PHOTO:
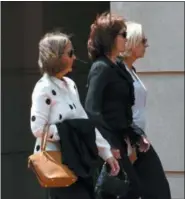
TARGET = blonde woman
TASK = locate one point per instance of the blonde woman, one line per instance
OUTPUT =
(148, 164)
(55, 99)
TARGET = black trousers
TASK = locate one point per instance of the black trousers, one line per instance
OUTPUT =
(82, 189)
(148, 179)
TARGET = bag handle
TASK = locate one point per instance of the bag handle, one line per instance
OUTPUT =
(44, 137)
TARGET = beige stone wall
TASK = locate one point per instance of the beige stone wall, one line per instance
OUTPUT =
(163, 74)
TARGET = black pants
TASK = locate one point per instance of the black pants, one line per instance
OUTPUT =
(147, 177)
(82, 189)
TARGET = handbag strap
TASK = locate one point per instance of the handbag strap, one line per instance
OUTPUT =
(44, 137)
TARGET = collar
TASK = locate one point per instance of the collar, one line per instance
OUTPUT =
(60, 83)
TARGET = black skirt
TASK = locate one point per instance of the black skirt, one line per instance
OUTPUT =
(82, 189)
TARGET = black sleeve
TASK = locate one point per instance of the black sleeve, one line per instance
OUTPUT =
(97, 80)
(135, 133)
(134, 69)
(137, 130)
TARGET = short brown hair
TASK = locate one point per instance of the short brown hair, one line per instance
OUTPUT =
(51, 47)
(103, 33)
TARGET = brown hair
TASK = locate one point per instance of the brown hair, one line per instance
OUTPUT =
(51, 47)
(103, 32)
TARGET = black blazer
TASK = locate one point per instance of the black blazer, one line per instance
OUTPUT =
(110, 98)
(78, 146)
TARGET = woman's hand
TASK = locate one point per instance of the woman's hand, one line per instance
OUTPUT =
(116, 153)
(144, 144)
(114, 165)
(53, 134)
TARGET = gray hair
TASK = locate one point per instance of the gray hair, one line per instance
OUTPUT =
(134, 37)
(51, 47)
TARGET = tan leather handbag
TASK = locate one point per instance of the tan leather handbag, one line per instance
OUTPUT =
(48, 167)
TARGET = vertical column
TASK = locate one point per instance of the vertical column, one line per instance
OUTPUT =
(162, 71)
(21, 26)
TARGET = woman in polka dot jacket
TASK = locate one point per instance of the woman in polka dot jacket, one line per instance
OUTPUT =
(55, 98)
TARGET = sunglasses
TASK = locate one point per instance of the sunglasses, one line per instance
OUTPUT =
(144, 40)
(123, 34)
(70, 53)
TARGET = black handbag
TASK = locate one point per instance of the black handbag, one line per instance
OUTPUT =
(115, 186)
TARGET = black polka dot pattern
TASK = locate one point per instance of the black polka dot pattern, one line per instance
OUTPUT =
(74, 105)
(48, 101)
(54, 92)
(51, 136)
(38, 147)
(60, 116)
(33, 118)
(71, 107)
(74, 87)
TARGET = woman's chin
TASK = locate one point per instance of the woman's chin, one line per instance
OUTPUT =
(70, 69)
(142, 55)
(122, 50)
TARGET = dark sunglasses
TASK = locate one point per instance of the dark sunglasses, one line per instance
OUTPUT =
(123, 34)
(71, 53)
(144, 40)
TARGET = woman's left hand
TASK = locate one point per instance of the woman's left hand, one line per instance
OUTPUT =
(144, 144)
(114, 165)
(116, 153)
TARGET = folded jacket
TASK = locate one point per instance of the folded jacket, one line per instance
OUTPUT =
(78, 147)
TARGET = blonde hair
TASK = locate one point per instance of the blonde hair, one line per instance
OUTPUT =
(51, 47)
(134, 37)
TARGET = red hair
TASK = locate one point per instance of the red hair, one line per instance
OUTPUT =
(102, 35)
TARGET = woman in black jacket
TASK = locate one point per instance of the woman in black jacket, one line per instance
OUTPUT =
(110, 95)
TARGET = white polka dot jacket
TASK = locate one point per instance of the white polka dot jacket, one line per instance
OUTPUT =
(55, 101)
